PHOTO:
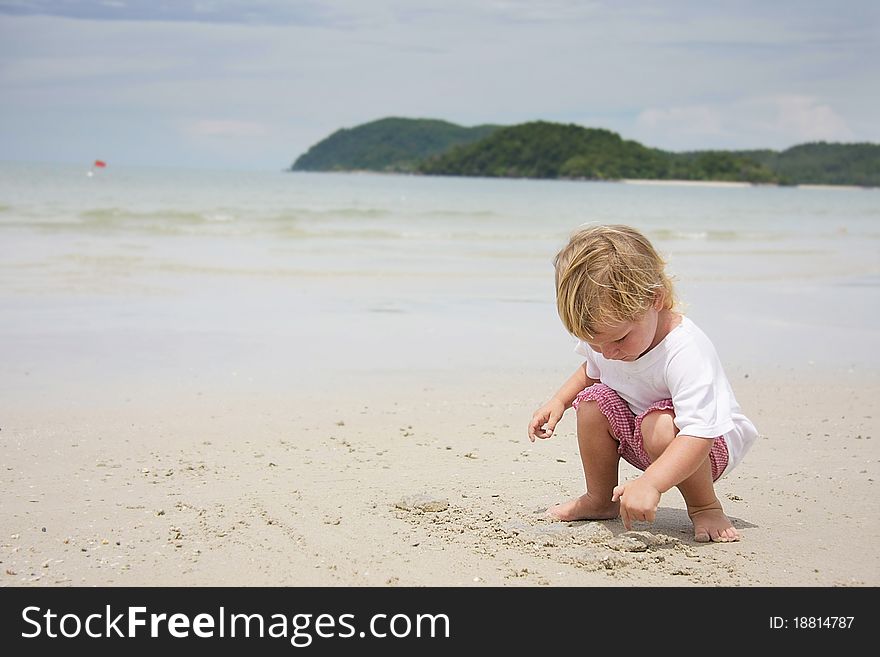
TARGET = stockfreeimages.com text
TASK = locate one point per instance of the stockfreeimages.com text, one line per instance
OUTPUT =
(300, 629)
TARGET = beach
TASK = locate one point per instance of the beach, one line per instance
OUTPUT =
(293, 385)
(435, 485)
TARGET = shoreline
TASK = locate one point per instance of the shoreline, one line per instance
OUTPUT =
(628, 181)
(694, 183)
(727, 183)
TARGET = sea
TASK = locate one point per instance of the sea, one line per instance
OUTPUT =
(119, 281)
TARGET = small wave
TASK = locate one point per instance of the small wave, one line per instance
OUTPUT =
(218, 222)
(374, 213)
(670, 234)
(220, 217)
(340, 213)
(363, 233)
(120, 216)
(464, 214)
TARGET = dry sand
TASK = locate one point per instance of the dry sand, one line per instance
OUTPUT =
(429, 481)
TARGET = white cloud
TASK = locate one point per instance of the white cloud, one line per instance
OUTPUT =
(801, 118)
(769, 121)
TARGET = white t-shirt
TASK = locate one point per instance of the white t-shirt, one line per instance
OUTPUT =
(683, 367)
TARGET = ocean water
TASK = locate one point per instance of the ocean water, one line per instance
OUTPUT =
(143, 279)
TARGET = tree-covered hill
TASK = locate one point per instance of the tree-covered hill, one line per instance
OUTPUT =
(552, 150)
(547, 150)
(391, 144)
(542, 149)
(823, 163)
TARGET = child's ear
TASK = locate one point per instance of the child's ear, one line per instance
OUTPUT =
(659, 301)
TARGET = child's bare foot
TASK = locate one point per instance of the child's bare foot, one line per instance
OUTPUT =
(584, 508)
(710, 524)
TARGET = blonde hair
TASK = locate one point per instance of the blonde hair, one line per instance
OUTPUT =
(606, 275)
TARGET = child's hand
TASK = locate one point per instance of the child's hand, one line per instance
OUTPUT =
(638, 501)
(545, 418)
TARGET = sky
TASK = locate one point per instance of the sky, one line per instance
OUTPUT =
(252, 84)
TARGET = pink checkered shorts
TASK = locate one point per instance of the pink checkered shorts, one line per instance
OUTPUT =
(627, 428)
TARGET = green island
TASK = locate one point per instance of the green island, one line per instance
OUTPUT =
(389, 145)
(541, 149)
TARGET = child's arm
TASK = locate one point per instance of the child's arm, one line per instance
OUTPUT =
(678, 462)
(639, 498)
(545, 418)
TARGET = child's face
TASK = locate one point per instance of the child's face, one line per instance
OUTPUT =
(628, 340)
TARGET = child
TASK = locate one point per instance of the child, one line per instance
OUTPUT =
(651, 390)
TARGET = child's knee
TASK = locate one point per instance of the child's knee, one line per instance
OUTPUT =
(658, 430)
(590, 415)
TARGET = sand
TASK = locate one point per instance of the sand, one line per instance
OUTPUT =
(419, 480)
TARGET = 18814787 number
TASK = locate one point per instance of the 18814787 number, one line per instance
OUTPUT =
(822, 622)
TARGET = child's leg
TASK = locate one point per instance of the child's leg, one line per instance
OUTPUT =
(698, 490)
(599, 459)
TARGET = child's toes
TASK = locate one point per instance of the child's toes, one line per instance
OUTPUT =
(731, 534)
